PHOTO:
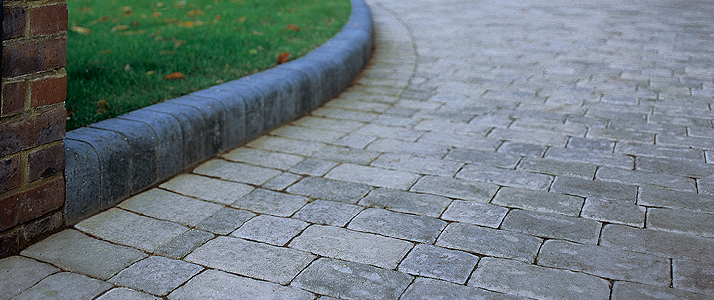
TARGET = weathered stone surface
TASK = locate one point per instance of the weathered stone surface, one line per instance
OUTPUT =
(214, 284)
(417, 164)
(238, 172)
(555, 167)
(156, 275)
(590, 157)
(313, 167)
(346, 155)
(679, 183)
(18, 273)
(701, 224)
(606, 262)
(660, 243)
(409, 227)
(64, 286)
(225, 220)
(184, 243)
(407, 202)
(350, 280)
(539, 201)
(126, 294)
(353, 246)
(553, 226)
(495, 159)
(440, 263)
(517, 278)
(614, 211)
(328, 212)
(373, 176)
(490, 242)
(285, 145)
(660, 197)
(629, 290)
(328, 189)
(261, 261)
(476, 213)
(272, 230)
(688, 168)
(169, 206)
(594, 188)
(456, 188)
(694, 275)
(430, 289)
(216, 190)
(269, 202)
(505, 177)
(281, 181)
(75, 252)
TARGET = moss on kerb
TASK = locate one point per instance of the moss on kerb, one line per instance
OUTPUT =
(107, 163)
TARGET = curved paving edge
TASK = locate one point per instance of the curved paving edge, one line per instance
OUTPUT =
(111, 160)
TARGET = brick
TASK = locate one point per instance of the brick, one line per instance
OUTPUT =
(539, 201)
(436, 262)
(693, 275)
(426, 289)
(307, 133)
(505, 177)
(48, 19)
(263, 158)
(64, 286)
(660, 197)
(16, 136)
(450, 139)
(237, 172)
(268, 202)
(206, 188)
(18, 273)
(409, 227)
(156, 275)
(225, 220)
(313, 167)
(328, 212)
(46, 162)
(407, 202)
(271, 230)
(221, 285)
(675, 166)
(517, 278)
(13, 98)
(522, 149)
(655, 242)
(695, 223)
(32, 57)
(10, 242)
(495, 159)
(345, 244)
(282, 181)
(348, 155)
(373, 176)
(475, 213)
(613, 211)
(659, 151)
(50, 126)
(280, 144)
(605, 262)
(10, 173)
(350, 280)
(490, 242)
(630, 290)
(594, 188)
(125, 293)
(456, 188)
(418, 164)
(553, 226)
(48, 91)
(674, 182)
(43, 226)
(13, 22)
(590, 144)
(400, 146)
(251, 259)
(590, 157)
(170, 206)
(20, 208)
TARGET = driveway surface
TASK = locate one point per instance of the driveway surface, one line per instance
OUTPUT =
(496, 149)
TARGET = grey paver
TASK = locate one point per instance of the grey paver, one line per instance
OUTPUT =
(225, 220)
(517, 278)
(75, 252)
(693, 275)
(328, 212)
(313, 167)
(660, 197)
(281, 181)
(456, 188)
(122, 227)
(156, 275)
(401, 146)
(674, 182)
(214, 284)
(661, 243)
(238, 172)
(279, 265)
(495, 159)
(594, 188)
(590, 157)
(329, 123)
(475, 213)
(436, 262)
(205, 188)
(628, 290)
(18, 273)
(64, 286)
(522, 149)
(555, 167)
(263, 158)
(539, 201)
(373, 176)
(701, 224)
(606, 262)
(270, 202)
(307, 133)
(353, 246)
(430, 289)
(621, 135)
(184, 243)
(417, 164)
(350, 280)
(285, 145)
(354, 141)
(169, 206)
(590, 144)
(269, 229)
(460, 140)
(403, 226)
(344, 154)
(614, 211)
(407, 202)
(505, 177)
(688, 168)
(338, 113)
(329, 189)
(389, 132)
(126, 294)
(553, 226)
(491, 242)
(532, 136)
(658, 151)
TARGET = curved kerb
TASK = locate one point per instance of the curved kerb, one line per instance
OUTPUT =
(111, 160)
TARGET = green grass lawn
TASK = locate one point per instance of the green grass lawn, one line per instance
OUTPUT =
(119, 52)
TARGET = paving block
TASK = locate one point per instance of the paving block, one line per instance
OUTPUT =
(214, 115)
(285, 145)
(490, 242)
(198, 139)
(373, 176)
(210, 189)
(436, 262)
(629, 290)
(606, 262)
(64, 286)
(18, 273)
(125, 228)
(539, 201)
(355, 141)
(614, 211)
(235, 115)
(471, 212)
(456, 188)
(279, 92)
(409, 227)
(655, 242)
(685, 141)
(496, 159)
(225, 220)
(392, 132)
(451, 139)
(590, 157)
(366, 248)
(590, 144)
(417, 164)
(658, 151)
(126, 294)
(674, 182)
(238, 172)
(75, 252)
(251, 259)
(344, 113)
(82, 185)
(272, 230)
(313, 167)
(263, 158)
(401, 146)
(268, 202)
(660, 197)
(621, 135)
(406, 202)
(694, 275)
(170, 206)
(695, 223)
(553, 226)
(307, 133)
(282, 181)
(183, 244)
(328, 123)
(350, 280)
(594, 188)
(522, 149)
(517, 278)
(505, 177)
(688, 168)
(427, 289)
(328, 212)
(253, 101)
(554, 167)
(156, 275)
(347, 155)
(220, 285)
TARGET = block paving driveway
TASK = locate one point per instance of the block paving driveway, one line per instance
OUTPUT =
(503, 149)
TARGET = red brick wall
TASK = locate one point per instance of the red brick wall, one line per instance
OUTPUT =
(32, 121)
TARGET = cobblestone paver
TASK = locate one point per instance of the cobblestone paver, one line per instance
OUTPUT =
(503, 149)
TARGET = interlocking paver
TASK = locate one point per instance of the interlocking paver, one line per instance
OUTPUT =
(270, 202)
(594, 188)
(426, 289)
(401, 146)
(661, 243)
(679, 183)
(65, 286)
(328, 212)
(329, 189)
(216, 190)
(156, 275)
(407, 202)
(18, 273)
(628, 290)
(613, 211)
(456, 188)
(225, 220)
(313, 167)
(348, 155)
(591, 157)
(126, 294)
(693, 275)
(269, 229)
(701, 224)
(214, 284)
(440, 263)
(183, 244)
(169, 206)
(373, 176)
(660, 197)
(553, 226)
(524, 149)
(238, 172)
(417, 164)
(403, 226)
(505, 177)
(495, 159)
(555, 167)
(263, 158)
(491, 242)
(475, 213)
(539, 201)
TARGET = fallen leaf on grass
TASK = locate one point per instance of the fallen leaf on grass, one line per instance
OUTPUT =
(216, 19)
(149, 73)
(69, 114)
(241, 19)
(127, 10)
(195, 12)
(133, 32)
(283, 57)
(102, 106)
(253, 51)
(156, 14)
(257, 33)
(81, 30)
(179, 43)
(293, 27)
(175, 76)
(120, 28)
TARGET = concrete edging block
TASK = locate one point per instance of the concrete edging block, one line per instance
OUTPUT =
(111, 160)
